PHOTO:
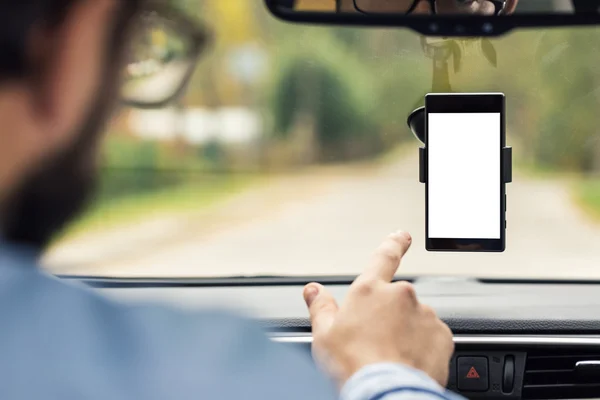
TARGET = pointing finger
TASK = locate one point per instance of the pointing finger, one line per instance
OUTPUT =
(388, 256)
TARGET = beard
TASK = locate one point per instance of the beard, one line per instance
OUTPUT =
(57, 191)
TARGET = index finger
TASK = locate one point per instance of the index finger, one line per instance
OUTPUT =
(388, 256)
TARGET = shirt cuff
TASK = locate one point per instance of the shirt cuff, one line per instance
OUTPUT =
(374, 381)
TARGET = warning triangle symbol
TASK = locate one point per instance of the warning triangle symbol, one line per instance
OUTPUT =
(473, 374)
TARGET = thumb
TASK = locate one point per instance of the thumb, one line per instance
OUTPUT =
(322, 307)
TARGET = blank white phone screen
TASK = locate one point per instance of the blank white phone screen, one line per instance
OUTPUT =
(464, 175)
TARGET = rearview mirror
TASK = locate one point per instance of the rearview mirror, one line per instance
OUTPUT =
(442, 17)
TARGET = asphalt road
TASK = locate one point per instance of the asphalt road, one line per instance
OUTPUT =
(328, 223)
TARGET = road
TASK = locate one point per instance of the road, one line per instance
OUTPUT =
(329, 222)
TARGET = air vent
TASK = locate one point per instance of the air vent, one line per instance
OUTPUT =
(562, 374)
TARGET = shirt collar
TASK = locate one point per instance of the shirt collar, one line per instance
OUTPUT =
(20, 253)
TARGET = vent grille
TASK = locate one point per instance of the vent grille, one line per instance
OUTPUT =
(551, 374)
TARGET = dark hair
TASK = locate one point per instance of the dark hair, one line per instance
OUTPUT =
(59, 188)
(17, 17)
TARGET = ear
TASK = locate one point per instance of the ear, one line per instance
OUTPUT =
(71, 61)
(423, 7)
(510, 6)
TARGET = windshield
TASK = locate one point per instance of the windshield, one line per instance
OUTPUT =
(290, 155)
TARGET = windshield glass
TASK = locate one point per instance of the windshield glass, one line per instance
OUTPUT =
(290, 155)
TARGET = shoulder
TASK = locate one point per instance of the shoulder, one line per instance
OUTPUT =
(158, 349)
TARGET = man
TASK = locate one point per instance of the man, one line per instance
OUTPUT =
(60, 64)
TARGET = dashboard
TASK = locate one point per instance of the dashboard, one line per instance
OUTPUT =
(515, 366)
(514, 339)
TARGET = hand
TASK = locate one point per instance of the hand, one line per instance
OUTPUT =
(379, 321)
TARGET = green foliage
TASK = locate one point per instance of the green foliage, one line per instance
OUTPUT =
(587, 195)
(131, 166)
(568, 82)
(191, 195)
(357, 104)
(129, 152)
(326, 83)
(214, 155)
(552, 89)
(358, 85)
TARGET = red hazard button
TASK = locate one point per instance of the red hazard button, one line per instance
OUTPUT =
(472, 374)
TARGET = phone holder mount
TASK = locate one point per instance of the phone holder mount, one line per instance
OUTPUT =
(416, 123)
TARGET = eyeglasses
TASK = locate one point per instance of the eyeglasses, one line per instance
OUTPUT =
(431, 6)
(162, 56)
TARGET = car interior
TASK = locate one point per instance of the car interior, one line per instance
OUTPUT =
(525, 339)
(295, 148)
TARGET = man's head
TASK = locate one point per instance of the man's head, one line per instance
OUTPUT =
(59, 76)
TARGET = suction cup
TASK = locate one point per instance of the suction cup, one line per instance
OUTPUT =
(416, 123)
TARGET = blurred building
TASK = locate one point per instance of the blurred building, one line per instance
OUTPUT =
(197, 126)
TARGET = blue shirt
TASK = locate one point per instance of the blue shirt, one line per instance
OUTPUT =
(62, 341)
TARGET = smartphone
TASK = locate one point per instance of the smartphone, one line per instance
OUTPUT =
(465, 193)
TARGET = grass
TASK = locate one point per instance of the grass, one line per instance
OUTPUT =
(199, 191)
(411, 147)
(192, 195)
(535, 171)
(585, 192)
(587, 196)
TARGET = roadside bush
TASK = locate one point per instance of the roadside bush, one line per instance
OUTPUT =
(133, 166)
(324, 83)
(568, 82)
